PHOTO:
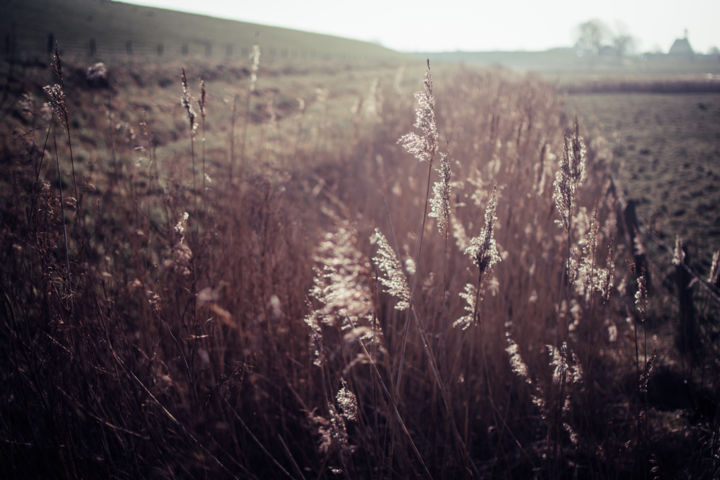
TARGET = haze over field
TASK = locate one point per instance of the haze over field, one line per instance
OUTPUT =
(407, 25)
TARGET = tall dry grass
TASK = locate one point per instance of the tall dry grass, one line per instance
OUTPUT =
(458, 311)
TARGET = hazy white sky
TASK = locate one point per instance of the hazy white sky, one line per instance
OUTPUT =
(474, 24)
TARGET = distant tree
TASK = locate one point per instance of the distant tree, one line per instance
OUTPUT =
(595, 38)
(591, 37)
(623, 42)
(624, 45)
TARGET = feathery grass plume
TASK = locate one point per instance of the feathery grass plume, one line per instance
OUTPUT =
(346, 291)
(647, 372)
(589, 277)
(392, 276)
(56, 95)
(469, 295)
(347, 402)
(678, 252)
(255, 57)
(186, 101)
(641, 298)
(312, 320)
(714, 268)
(203, 99)
(569, 177)
(181, 253)
(333, 430)
(333, 433)
(341, 291)
(607, 280)
(423, 144)
(57, 101)
(566, 371)
(565, 365)
(516, 362)
(483, 248)
(440, 201)
(520, 368)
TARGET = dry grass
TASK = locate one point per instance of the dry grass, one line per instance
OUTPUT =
(250, 328)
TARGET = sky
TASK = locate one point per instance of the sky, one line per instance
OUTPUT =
(443, 25)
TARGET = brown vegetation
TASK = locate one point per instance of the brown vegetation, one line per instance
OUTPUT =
(316, 309)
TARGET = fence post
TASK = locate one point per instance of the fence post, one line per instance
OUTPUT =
(687, 327)
(633, 228)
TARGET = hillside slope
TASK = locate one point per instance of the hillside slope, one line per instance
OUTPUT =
(98, 28)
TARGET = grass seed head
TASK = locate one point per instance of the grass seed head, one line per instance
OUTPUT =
(392, 276)
(440, 201)
(423, 143)
(483, 248)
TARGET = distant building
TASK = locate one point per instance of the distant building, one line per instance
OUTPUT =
(681, 47)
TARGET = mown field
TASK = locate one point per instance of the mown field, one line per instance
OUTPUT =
(350, 269)
(665, 152)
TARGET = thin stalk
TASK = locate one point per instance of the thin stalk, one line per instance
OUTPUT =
(233, 117)
(462, 447)
(38, 169)
(203, 154)
(415, 277)
(72, 164)
(394, 406)
(62, 212)
(245, 129)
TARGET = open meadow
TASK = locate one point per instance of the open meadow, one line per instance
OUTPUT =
(365, 266)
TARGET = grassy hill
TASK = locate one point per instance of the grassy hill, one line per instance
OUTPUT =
(98, 28)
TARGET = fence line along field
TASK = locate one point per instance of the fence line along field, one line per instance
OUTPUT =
(377, 270)
(92, 29)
